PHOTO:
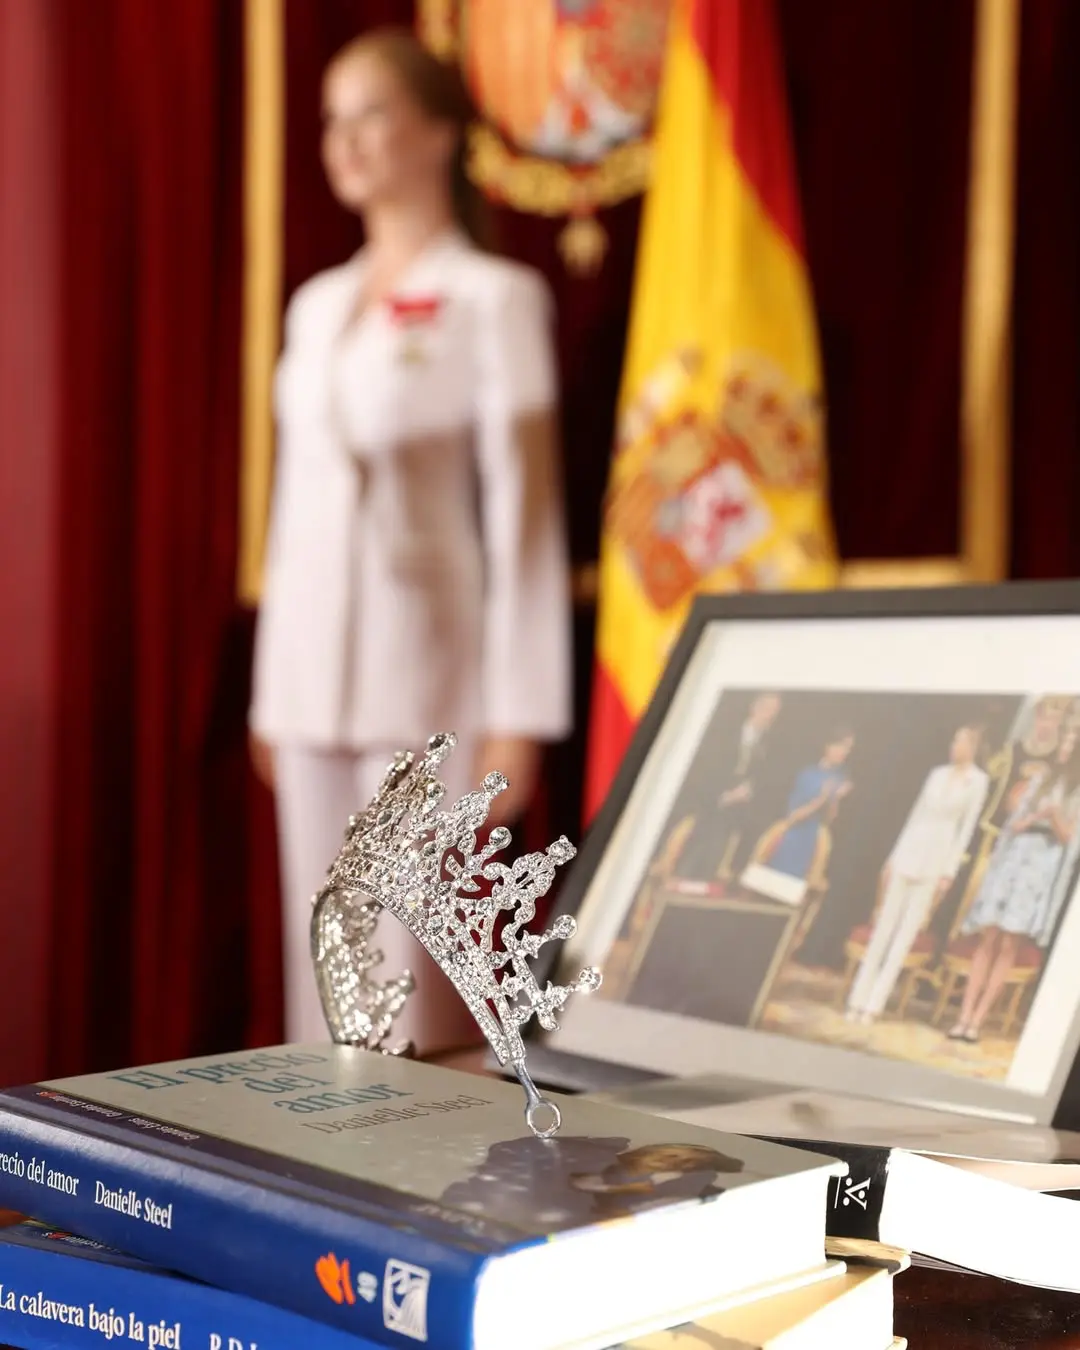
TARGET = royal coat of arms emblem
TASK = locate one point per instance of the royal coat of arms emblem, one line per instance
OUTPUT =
(566, 90)
(690, 503)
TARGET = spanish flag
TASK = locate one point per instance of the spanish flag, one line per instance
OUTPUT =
(718, 478)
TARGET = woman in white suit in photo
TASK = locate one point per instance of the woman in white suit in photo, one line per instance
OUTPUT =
(920, 869)
(416, 576)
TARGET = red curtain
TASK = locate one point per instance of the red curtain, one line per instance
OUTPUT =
(147, 895)
(1046, 351)
(318, 233)
(28, 92)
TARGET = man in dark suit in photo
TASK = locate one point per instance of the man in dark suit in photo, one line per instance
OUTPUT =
(720, 828)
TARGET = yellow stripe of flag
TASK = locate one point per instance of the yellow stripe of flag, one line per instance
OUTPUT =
(718, 481)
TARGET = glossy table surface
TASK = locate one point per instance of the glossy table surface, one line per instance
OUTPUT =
(943, 1310)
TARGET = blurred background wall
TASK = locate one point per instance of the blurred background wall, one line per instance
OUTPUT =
(141, 918)
(28, 447)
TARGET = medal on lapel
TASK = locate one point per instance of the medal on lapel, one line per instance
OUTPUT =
(412, 316)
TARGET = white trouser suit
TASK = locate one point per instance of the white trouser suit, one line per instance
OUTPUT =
(417, 577)
(905, 907)
(929, 849)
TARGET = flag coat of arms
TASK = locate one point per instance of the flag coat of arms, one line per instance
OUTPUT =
(718, 478)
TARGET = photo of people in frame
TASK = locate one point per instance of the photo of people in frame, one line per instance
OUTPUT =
(893, 878)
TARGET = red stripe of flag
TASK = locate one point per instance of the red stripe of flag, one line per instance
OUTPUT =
(739, 42)
(611, 728)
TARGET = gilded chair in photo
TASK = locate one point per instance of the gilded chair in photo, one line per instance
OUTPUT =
(817, 883)
(925, 964)
(1021, 977)
(916, 961)
(956, 968)
(952, 971)
(816, 875)
(659, 878)
(663, 870)
(667, 867)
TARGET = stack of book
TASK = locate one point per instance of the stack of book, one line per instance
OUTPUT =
(320, 1196)
(990, 1197)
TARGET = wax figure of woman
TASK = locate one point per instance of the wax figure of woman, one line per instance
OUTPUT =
(920, 869)
(416, 575)
(1026, 882)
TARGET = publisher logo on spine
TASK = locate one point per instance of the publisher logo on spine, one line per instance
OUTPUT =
(852, 1192)
(335, 1278)
(405, 1291)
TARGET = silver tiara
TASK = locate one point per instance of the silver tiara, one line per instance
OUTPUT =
(407, 855)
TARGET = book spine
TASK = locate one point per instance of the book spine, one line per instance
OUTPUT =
(312, 1259)
(52, 1298)
(856, 1201)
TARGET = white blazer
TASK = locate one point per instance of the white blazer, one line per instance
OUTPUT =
(938, 830)
(416, 575)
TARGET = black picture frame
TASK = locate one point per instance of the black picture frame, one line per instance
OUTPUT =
(1040, 599)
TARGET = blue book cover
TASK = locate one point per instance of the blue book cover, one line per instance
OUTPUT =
(409, 1203)
(63, 1292)
(70, 1292)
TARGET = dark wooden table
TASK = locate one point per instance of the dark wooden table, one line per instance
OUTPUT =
(943, 1310)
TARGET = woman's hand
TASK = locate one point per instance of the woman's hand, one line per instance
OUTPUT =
(518, 759)
(262, 759)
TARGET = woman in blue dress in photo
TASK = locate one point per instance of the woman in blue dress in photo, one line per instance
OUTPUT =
(814, 799)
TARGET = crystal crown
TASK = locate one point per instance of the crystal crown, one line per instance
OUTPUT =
(423, 863)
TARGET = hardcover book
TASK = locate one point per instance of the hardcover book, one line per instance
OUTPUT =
(410, 1203)
(920, 1180)
(61, 1290)
(852, 1312)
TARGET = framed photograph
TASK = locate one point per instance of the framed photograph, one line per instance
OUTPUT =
(843, 852)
